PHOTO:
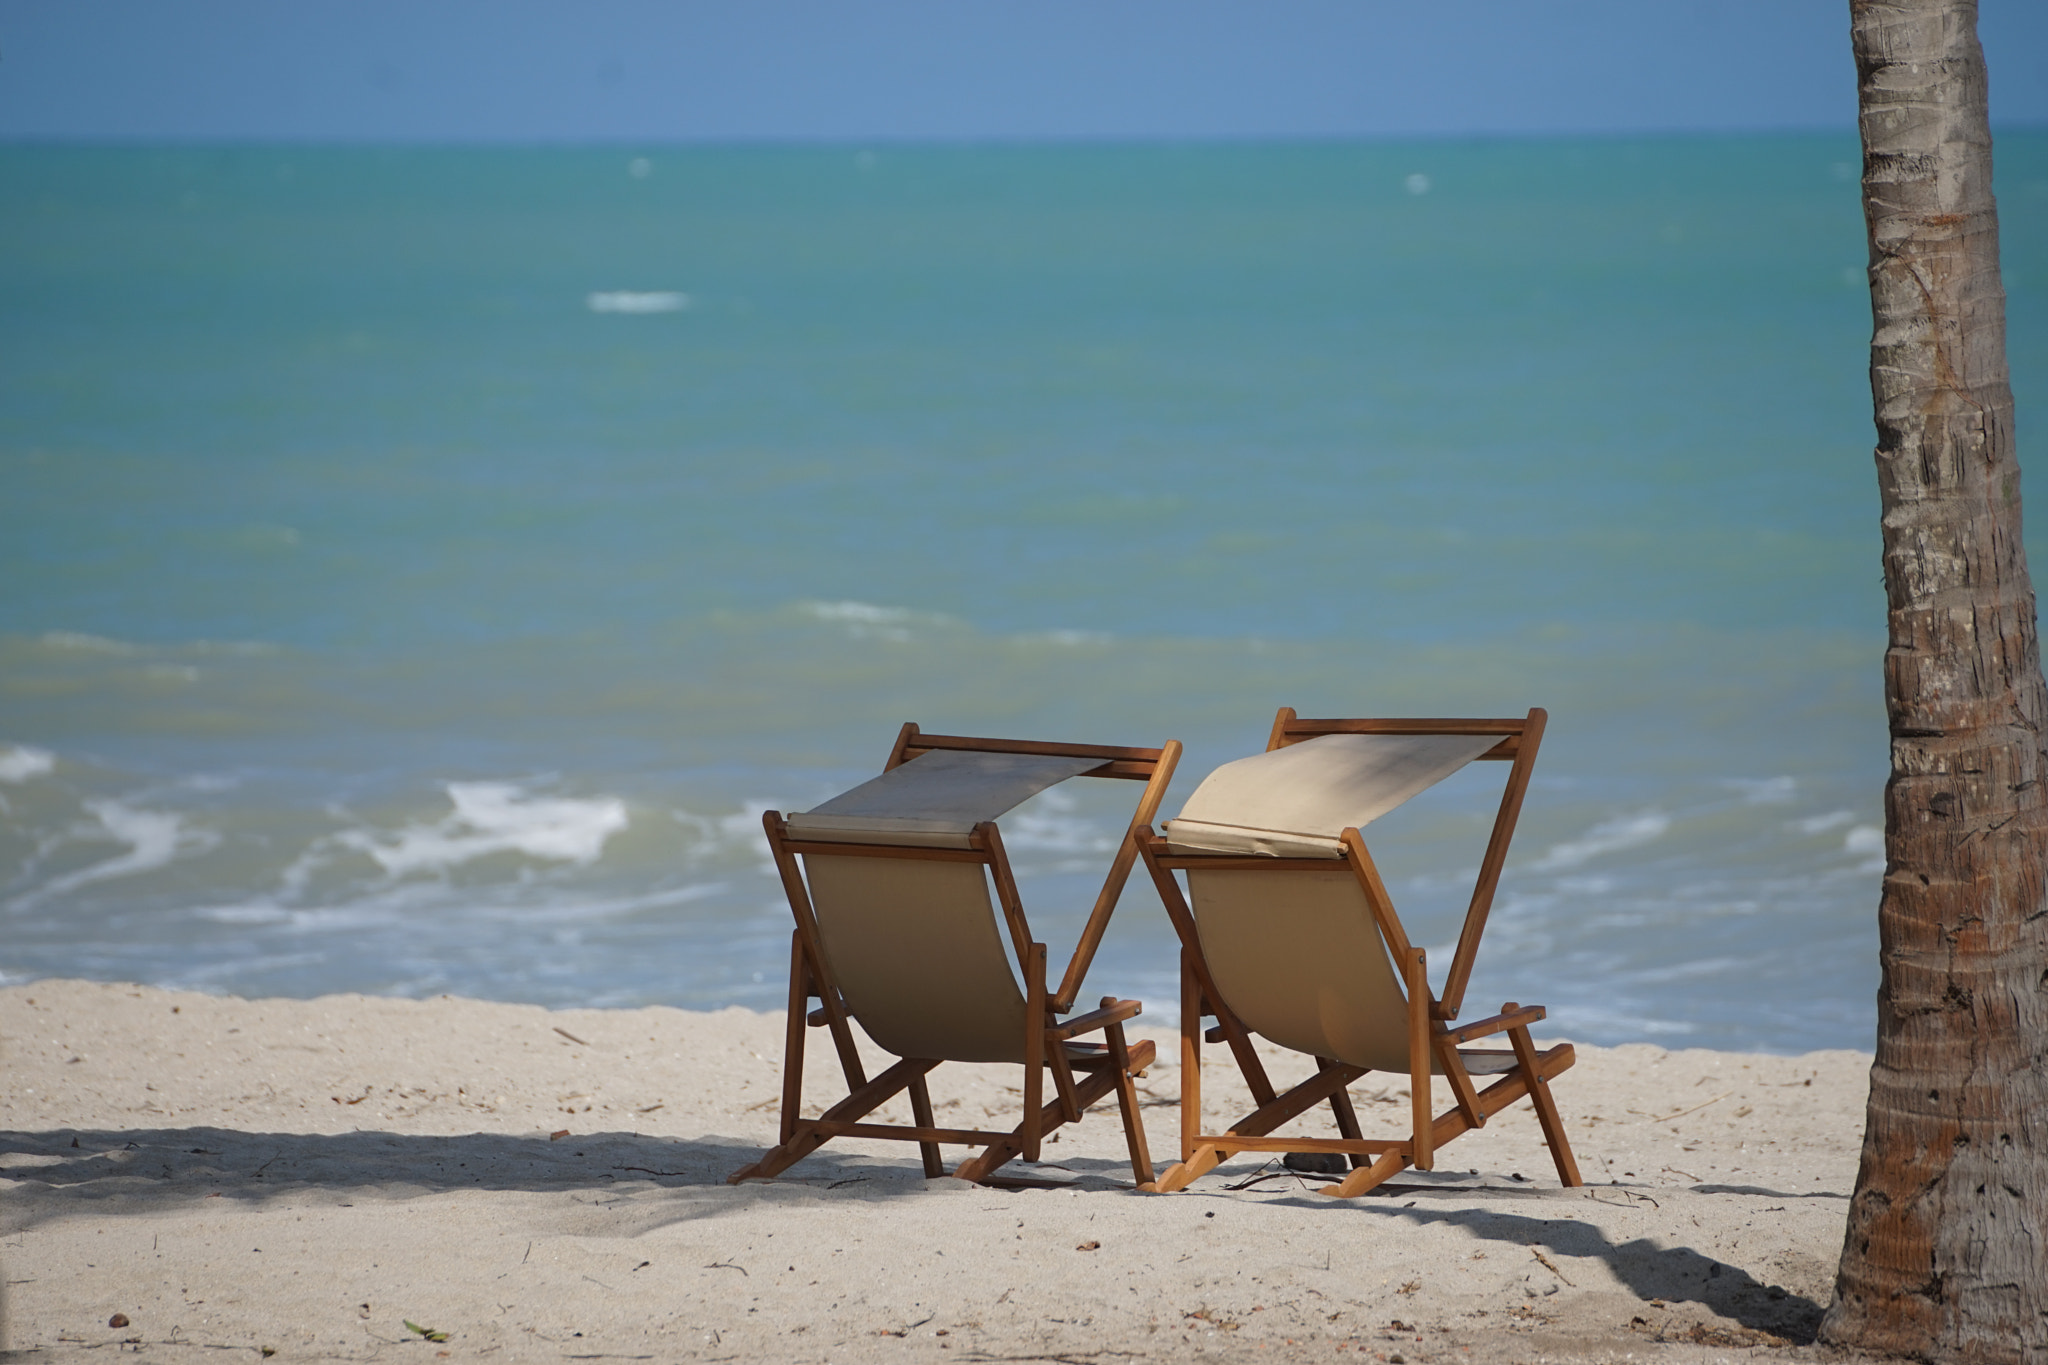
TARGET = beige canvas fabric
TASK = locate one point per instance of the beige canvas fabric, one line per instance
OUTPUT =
(914, 948)
(1293, 802)
(936, 799)
(1297, 957)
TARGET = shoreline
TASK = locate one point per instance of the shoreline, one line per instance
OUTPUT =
(306, 1176)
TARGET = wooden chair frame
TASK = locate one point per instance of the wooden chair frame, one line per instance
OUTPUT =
(1431, 1039)
(1048, 1044)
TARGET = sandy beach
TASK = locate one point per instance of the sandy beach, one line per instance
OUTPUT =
(304, 1178)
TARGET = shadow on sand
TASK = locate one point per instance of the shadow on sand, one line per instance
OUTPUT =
(144, 1170)
(1657, 1274)
(67, 1172)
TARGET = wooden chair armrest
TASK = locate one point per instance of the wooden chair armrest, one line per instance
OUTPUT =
(1513, 1016)
(1115, 1012)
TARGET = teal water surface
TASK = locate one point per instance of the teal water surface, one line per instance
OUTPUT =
(421, 566)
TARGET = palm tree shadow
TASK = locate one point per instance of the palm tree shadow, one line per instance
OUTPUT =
(1651, 1271)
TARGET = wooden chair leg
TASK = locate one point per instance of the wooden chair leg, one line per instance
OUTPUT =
(861, 1102)
(1182, 1174)
(1212, 1150)
(1063, 1081)
(807, 931)
(998, 1154)
(776, 1160)
(1546, 1109)
(1462, 1088)
(1245, 1054)
(1421, 1115)
(921, 1115)
(1127, 1101)
(1347, 1117)
(1034, 1052)
(793, 1038)
(1190, 1059)
(1366, 1178)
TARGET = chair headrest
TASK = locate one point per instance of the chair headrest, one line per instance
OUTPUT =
(936, 798)
(1294, 802)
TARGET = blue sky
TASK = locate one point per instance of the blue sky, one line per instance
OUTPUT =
(635, 70)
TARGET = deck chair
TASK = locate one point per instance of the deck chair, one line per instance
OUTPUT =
(1287, 932)
(889, 884)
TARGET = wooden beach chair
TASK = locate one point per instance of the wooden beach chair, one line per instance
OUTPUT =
(1288, 932)
(895, 929)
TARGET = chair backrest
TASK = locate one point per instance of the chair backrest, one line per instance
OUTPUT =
(906, 924)
(936, 800)
(913, 946)
(1294, 802)
(898, 872)
(1295, 928)
(1297, 956)
(1516, 740)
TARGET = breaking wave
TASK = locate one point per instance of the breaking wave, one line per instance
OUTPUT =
(496, 817)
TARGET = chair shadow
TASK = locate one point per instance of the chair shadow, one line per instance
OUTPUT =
(120, 1172)
(69, 1171)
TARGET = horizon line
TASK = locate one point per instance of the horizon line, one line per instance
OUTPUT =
(834, 141)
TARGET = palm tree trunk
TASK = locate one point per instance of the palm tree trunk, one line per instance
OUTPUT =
(1946, 1256)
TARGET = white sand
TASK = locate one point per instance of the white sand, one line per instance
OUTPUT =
(303, 1176)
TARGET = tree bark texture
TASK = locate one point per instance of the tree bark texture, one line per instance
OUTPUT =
(1946, 1254)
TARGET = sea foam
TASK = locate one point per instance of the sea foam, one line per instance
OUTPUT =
(154, 838)
(1609, 836)
(496, 817)
(632, 301)
(19, 763)
(866, 621)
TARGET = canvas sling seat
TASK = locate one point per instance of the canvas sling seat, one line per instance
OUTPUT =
(908, 922)
(1288, 933)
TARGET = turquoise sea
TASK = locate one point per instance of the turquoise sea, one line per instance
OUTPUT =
(418, 568)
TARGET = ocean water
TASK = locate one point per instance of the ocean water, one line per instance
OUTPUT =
(419, 568)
